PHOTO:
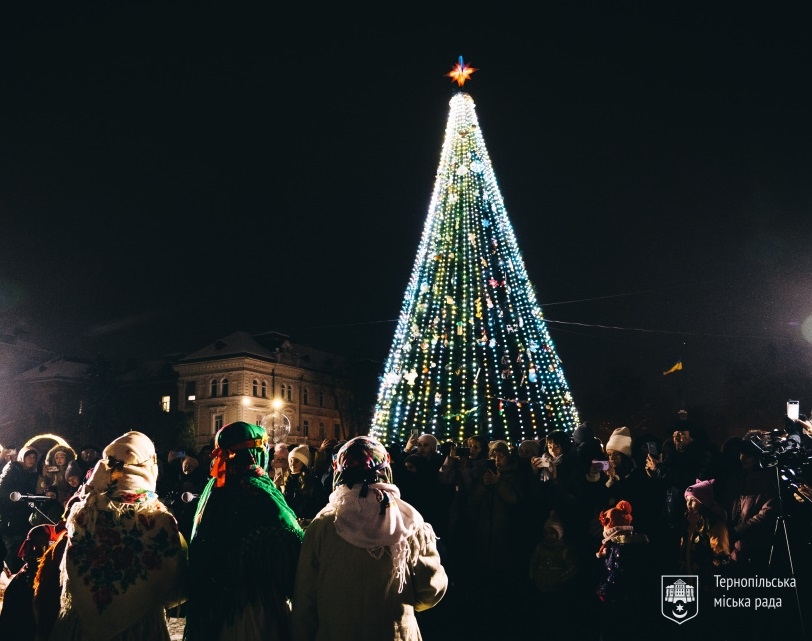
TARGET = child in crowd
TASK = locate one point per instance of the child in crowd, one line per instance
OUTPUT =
(704, 544)
(624, 588)
(554, 565)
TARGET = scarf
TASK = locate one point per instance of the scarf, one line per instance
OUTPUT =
(377, 521)
(546, 474)
(123, 559)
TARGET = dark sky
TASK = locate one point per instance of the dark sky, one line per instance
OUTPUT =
(172, 172)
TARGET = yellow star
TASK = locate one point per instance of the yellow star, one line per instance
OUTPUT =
(461, 72)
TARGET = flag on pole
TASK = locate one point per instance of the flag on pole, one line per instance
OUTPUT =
(676, 368)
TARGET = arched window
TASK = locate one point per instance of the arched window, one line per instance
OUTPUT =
(264, 389)
(290, 392)
(306, 428)
(282, 389)
(305, 396)
(224, 387)
(256, 387)
(213, 388)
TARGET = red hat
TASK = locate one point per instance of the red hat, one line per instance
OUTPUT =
(38, 539)
(619, 515)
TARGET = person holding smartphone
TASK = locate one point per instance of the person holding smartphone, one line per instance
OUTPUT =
(494, 510)
(628, 482)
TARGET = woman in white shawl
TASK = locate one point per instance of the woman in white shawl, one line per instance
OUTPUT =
(368, 559)
(125, 558)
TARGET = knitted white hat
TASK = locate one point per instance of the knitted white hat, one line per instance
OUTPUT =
(621, 441)
(301, 452)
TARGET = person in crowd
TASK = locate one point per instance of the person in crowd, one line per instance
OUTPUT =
(304, 492)
(73, 477)
(558, 476)
(674, 470)
(191, 481)
(53, 478)
(499, 534)
(556, 583)
(369, 561)
(7, 454)
(244, 547)
(125, 559)
(526, 452)
(17, 621)
(627, 482)
(280, 465)
(704, 545)
(751, 503)
(322, 460)
(427, 446)
(623, 589)
(554, 564)
(327, 476)
(89, 455)
(48, 580)
(421, 486)
(17, 476)
(53, 484)
(461, 470)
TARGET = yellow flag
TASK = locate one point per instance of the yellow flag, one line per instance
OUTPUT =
(677, 367)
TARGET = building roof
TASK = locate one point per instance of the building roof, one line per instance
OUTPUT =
(236, 344)
(274, 347)
(58, 368)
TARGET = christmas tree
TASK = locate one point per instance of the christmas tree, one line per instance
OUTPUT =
(471, 352)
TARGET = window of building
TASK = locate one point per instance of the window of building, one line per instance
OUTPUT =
(306, 396)
(290, 392)
(264, 389)
(321, 431)
(321, 399)
(213, 388)
(224, 387)
(217, 422)
(165, 403)
(282, 389)
(255, 387)
(336, 430)
(306, 428)
(191, 390)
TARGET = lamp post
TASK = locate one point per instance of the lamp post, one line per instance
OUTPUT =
(276, 424)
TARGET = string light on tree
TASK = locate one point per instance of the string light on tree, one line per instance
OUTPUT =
(471, 352)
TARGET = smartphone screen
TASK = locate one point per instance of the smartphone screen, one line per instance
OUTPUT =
(792, 410)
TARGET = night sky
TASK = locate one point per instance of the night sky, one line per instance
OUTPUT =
(170, 173)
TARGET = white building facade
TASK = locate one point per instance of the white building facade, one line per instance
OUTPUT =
(266, 380)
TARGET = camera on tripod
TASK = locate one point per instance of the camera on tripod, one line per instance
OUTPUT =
(778, 448)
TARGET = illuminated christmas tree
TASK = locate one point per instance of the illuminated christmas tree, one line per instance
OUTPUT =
(471, 352)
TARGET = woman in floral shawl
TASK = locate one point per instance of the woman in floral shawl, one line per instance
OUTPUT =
(125, 559)
(244, 547)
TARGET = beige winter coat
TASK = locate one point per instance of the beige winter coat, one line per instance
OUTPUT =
(344, 593)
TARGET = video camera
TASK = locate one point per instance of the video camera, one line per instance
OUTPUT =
(786, 451)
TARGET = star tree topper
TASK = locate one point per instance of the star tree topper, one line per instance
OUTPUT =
(461, 72)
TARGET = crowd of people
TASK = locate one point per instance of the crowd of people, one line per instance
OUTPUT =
(562, 537)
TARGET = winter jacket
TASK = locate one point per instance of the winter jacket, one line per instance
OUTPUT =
(347, 593)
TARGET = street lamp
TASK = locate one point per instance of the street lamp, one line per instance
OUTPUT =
(276, 424)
